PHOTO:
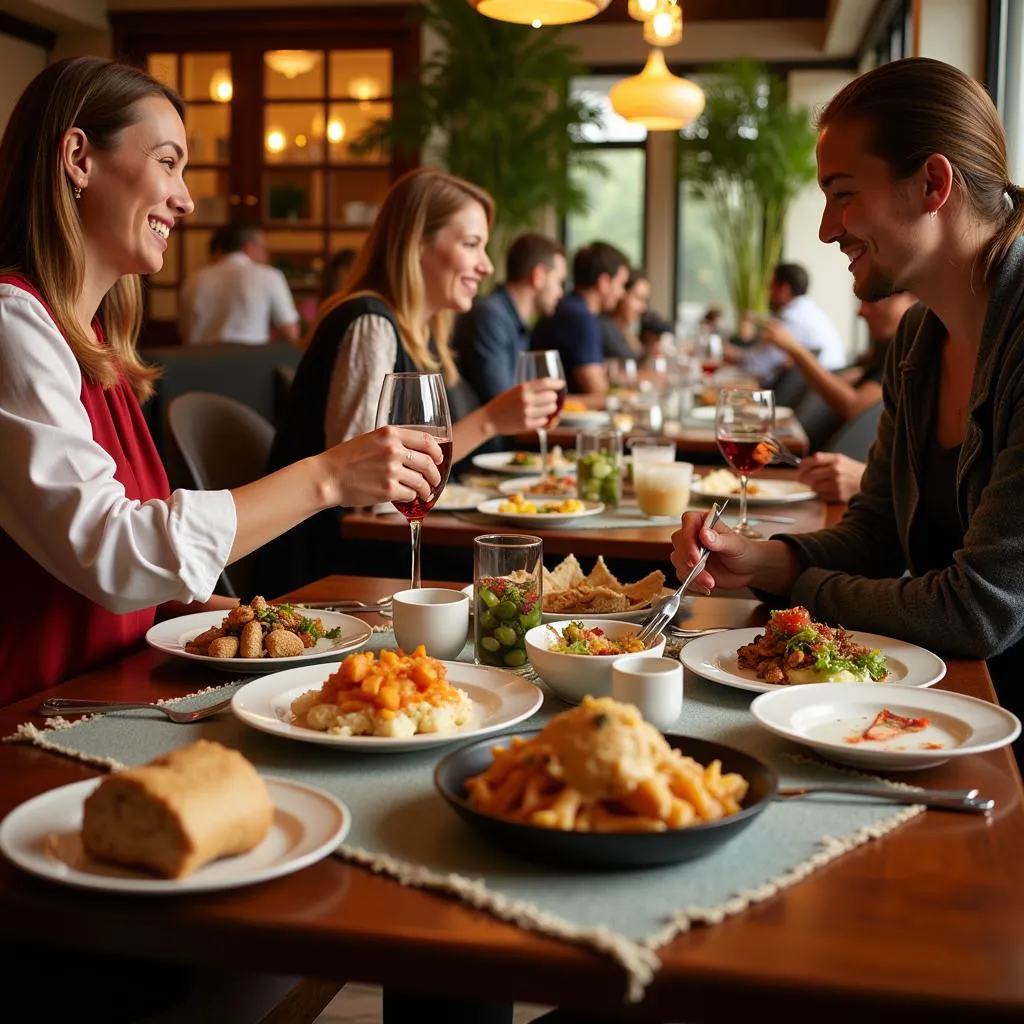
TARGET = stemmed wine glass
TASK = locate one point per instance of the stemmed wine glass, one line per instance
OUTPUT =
(418, 400)
(744, 417)
(536, 366)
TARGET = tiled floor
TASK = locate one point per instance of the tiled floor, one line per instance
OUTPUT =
(360, 1004)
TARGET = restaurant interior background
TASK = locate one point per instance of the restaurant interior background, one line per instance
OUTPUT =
(269, 133)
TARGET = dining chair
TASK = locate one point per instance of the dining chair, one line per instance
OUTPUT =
(223, 444)
(855, 437)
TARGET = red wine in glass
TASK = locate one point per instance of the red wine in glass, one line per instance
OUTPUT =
(418, 508)
(418, 401)
(744, 417)
(742, 453)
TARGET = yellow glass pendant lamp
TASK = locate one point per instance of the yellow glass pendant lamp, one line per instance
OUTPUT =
(657, 99)
(539, 12)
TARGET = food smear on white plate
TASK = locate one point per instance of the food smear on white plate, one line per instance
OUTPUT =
(795, 649)
(861, 730)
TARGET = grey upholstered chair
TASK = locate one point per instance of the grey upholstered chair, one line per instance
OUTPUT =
(855, 437)
(222, 444)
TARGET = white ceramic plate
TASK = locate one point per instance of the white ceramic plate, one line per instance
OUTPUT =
(635, 616)
(584, 418)
(500, 699)
(43, 836)
(501, 462)
(714, 657)
(457, 498)
(832, 719)
(492, 507)
(518, 485)
(772, 492)
(172, 635)
(706, 413)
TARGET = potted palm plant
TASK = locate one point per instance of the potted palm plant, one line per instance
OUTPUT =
(748, 155)
(493, 104)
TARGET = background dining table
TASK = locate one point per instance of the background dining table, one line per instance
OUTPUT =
(924, 923)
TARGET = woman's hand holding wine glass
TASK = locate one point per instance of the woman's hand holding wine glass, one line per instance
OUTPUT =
(536, 366)
(744, 417)
(388, 464)
(418, 401)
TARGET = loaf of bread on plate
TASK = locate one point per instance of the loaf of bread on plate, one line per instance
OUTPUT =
(178, 812)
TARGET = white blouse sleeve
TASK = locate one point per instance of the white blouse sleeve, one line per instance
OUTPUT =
(59, 499)
(367, 353)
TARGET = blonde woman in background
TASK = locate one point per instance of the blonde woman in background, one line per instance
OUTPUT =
(422, 262)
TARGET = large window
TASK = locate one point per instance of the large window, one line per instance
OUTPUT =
(700, 263)
(1006, 76)
(613, 174)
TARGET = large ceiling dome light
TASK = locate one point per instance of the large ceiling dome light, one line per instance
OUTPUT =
(539, 12)
(657, 99)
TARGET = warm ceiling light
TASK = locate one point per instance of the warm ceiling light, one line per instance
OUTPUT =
(641, 10)
(539, 12)
(665, 26)
(276, 141)
(292, 63)
(364, 89)
(335, 130)
(657, 99)
(221, 89)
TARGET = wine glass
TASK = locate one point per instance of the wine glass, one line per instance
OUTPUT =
(744, 417)
(535, 366)
(418, 400)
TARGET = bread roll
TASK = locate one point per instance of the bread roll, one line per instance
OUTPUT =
(178, 812)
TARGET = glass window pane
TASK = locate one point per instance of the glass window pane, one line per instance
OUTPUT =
(293, 133)
(163, 304)
(293, 74)
(360, 74)
(164, 68)
(700, 264)
(202, 73)
(208, 130)
(294, 195)
(356, 195)
(209, 191)
(347, 121)
(593, 89)
(615, 203)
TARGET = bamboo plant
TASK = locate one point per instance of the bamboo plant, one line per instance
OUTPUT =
(493, 105)
(747, 156)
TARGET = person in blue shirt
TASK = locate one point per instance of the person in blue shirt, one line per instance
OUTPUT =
(490, 337)
(599, 273)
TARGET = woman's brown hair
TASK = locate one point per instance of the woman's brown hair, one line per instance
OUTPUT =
(917, 107)
(418, 205)
(40, 228)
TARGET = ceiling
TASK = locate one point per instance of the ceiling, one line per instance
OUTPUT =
(733, 10)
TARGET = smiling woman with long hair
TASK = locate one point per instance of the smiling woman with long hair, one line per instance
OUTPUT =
(91, 188)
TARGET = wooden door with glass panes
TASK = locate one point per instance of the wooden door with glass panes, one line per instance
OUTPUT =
(274, 101)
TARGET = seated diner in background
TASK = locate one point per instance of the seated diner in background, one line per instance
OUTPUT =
(620, 328)
(91, 185)
(912, 161)
(422, 261)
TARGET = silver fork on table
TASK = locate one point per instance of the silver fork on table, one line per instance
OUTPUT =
(68, 706)
(665, 612)
(946, 799)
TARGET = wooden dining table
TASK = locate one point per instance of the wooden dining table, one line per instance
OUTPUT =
(926, 923)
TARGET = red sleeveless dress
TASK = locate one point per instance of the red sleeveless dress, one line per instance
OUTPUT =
(49, 632)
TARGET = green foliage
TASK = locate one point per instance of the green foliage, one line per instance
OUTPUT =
(493, 104)
(748, 155)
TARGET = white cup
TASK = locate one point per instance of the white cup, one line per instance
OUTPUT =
(432, 616)
(653, 685)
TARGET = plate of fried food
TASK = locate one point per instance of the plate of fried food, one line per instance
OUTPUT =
(386, 702)
(792, 648)
(259, 637)
(600, 787)
(525, 511)
(524, 463)
(569, 593)
(553, 485)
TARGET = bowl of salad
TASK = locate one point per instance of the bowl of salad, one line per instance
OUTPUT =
(575, 658)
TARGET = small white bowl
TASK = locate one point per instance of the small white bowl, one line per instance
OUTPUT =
(575, 676)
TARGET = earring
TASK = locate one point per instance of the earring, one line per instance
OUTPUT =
(77, 191)
(933, 214)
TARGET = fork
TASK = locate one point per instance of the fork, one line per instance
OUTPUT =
(69, 706)
(381, 605)
(947, 799)
(665, 612)
(777, 452)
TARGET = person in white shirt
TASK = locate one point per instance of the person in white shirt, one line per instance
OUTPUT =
(794, 311)
(91, 187)
(238, 297)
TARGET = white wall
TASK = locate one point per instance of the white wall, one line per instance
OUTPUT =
(20, 62)
(953, 31)
(831, 284)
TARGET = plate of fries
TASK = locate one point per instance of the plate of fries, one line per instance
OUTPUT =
(698, 795)
(569, 594)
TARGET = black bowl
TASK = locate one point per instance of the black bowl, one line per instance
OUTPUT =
(604, 849)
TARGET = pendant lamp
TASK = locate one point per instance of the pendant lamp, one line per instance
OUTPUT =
(657, 99)
(539, 12)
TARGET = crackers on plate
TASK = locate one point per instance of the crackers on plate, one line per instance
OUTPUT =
(567, 589)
